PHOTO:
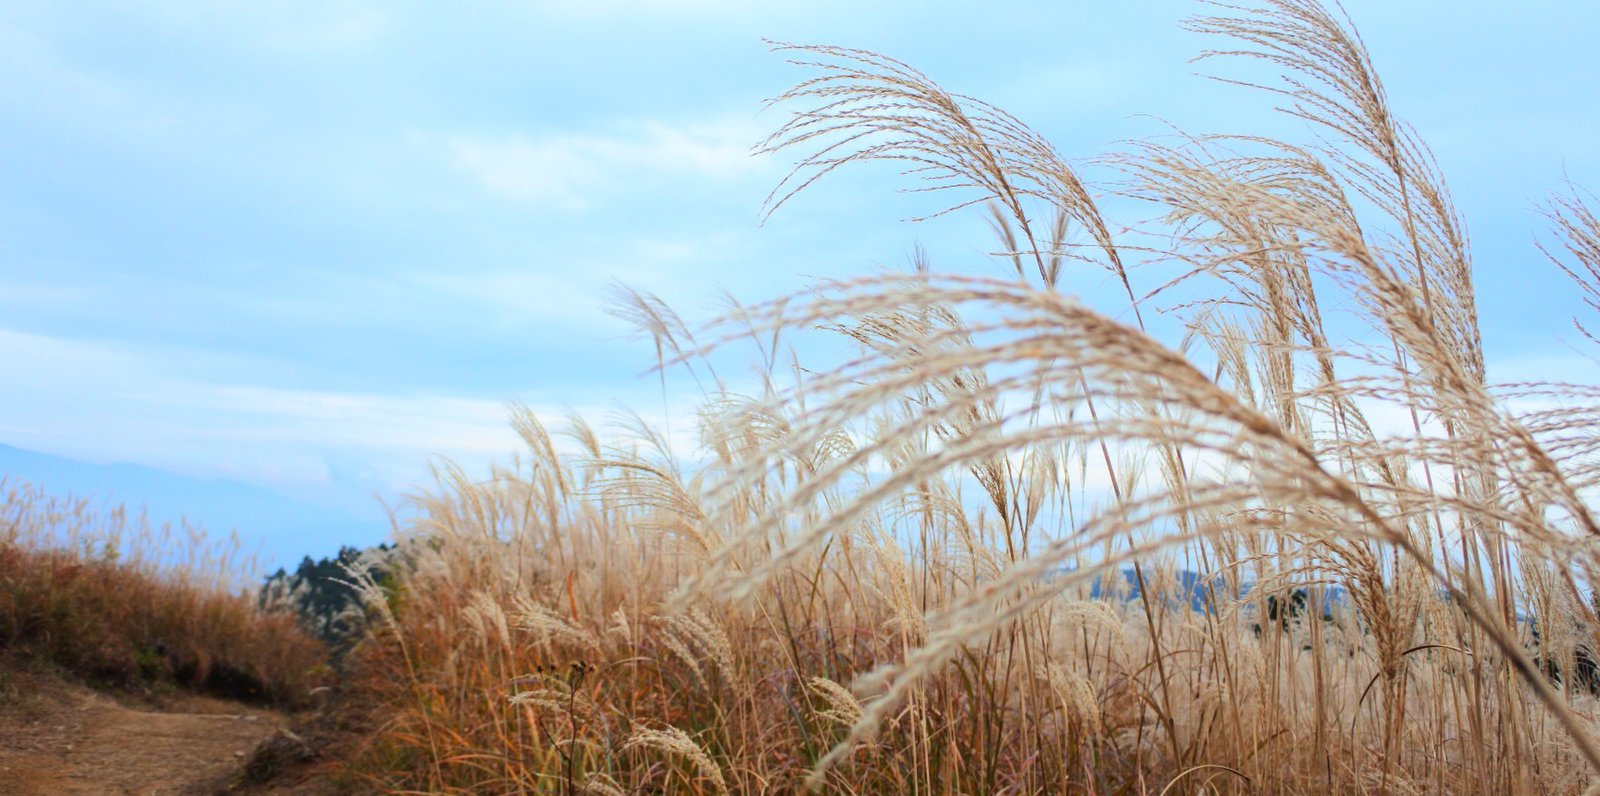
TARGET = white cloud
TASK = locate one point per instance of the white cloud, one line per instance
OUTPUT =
(565, 292)
(103, 402)
(668, 8)
(334, 30)
(577, 171)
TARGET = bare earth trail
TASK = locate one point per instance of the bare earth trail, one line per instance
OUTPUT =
(63, 740)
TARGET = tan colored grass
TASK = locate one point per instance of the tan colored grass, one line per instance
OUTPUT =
(120, 603)
(876, 574)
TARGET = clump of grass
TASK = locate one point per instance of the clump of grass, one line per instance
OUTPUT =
(1022, 544)
(120, 604)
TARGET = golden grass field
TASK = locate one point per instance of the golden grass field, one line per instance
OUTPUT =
(906, 569)
(877, 574)
(105, 597)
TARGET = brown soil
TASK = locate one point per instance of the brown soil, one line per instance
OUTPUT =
(59, 739)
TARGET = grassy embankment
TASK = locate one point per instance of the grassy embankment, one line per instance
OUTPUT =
(101, 597)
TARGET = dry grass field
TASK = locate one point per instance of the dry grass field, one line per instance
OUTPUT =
(1020, 544)
(1287, 538)
(103, 597)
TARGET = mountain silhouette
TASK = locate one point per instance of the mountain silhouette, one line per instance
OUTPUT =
(283, 530)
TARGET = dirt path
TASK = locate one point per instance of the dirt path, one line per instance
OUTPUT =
(61, 740)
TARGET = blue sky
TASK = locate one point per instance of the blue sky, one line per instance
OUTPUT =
(306, 245)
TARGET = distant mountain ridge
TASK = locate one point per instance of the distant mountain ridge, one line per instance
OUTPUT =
(282, 529)
(1200, 592)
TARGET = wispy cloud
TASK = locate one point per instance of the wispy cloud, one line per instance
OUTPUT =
(74, 398)
(577, 172)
